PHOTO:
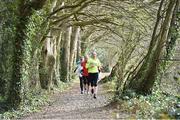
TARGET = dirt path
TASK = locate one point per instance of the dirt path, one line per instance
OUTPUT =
(73, 105)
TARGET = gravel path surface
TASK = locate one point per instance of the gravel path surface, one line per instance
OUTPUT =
(73, 105)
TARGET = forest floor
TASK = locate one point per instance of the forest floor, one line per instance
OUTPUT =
(70, 104)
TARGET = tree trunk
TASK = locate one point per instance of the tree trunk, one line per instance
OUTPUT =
(146, 76)
(65, 53)
(34, 78)
(25, 11)
(78, 53)
(173, 33)
(74, 40)
(57, 58)
(47, 65)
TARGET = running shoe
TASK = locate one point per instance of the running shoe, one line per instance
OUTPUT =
(94, 96)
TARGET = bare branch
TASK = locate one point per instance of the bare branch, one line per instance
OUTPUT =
(79, 8)
(66, 7)
(90, 22)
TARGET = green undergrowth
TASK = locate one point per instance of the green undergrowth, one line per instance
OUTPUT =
(157, 105)
(35, 101)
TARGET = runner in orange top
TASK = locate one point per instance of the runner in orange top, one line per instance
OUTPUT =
(85, 74)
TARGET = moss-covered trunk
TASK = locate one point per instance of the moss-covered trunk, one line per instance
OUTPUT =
(25, 10)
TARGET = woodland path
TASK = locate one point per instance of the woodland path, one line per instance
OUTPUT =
(71, 104)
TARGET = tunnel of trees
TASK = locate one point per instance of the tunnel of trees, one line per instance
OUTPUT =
(41, 41)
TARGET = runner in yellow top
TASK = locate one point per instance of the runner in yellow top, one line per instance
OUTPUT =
(93, 65)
